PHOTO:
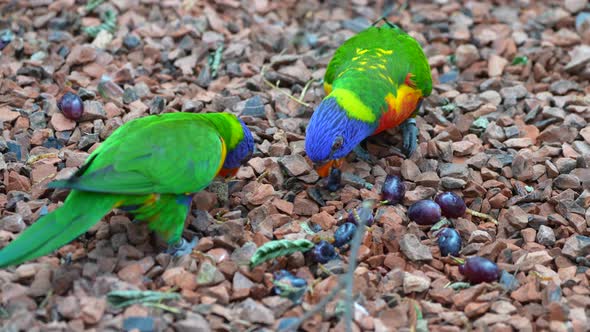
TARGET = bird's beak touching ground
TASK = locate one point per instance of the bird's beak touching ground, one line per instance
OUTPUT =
(324, 169)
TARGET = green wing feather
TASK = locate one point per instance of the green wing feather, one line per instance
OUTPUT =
(80, 211)
(174, 153)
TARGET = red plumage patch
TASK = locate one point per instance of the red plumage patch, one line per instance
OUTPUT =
(399, 107)
(388, 120)
(408, 81)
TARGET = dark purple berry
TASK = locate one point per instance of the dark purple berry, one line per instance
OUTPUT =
(393, 190)
(344, 234)
(364, 212)
(451, 204)
(478, 269)
(449, 242)
(424, 212)
(323, 252)
(334, 179)
(351, 218)
(71, 106)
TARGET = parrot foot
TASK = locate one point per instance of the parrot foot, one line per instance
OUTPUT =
(363, 154)
(410, 136)
(183, 247)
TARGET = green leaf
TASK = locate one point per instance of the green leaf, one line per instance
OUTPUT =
(459, 285)
(124, 298)
(278, 248)
(448, 107)
(418, 312)
(421, 323)
(452, 59)
(481, 123)
(520, 60)
(3, 313)
(305, 226)
(109, 23)
(92, 4)
(215, 60)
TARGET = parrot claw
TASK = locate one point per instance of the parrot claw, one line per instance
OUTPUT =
(183, 247)
(363, 154)
(410, 136)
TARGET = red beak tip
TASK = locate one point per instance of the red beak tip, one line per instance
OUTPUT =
(324, 170)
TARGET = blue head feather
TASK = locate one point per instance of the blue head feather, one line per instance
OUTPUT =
(332, 134)
(241, 152)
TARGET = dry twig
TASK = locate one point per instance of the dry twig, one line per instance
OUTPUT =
(276, 87)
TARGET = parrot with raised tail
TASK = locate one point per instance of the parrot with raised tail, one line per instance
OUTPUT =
(375, 81)
(149, 167)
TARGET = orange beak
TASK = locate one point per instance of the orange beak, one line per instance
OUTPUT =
(324, 170)
(227, 172)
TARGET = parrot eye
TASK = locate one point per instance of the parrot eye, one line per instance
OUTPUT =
(338, 142)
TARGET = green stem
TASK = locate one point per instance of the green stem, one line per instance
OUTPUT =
(458, 260)
(162, 306)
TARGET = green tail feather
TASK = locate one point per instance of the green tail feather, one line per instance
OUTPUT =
(80, 211)
(58, 184)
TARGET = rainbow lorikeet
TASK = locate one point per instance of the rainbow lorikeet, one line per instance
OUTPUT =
(149, 167)
(376, 81)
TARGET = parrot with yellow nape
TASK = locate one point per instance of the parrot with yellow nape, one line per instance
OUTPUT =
(375, 81)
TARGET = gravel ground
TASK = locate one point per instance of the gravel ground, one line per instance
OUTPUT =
(505, 128)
